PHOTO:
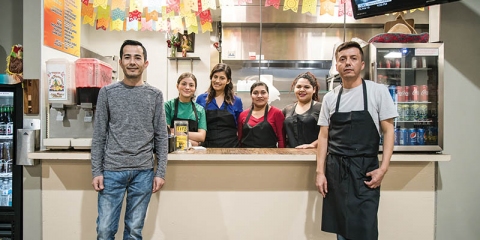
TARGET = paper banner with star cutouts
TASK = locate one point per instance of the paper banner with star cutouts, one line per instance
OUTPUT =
(102, 23)
(207, 27)
(192, 29)
(152, 15)
(274, 3)
(135, 15)
(165, 14)
(173, 5)
(199, 6)
(136, 5)
(183, 11)
(327, 7)
(176, 23)
(146, 25)
(87, 10)
(208, 4)
(100, 3)
(118, 4)
(103, 13)
(191, 19)
(118, 14)
(290, 5)
(85, 2)
(161, 25)
(132, 25)
(205, 16)
(309, 6)
(154, 5)
(89, 20)
(345, 7)
(190, 5)
(117, 25)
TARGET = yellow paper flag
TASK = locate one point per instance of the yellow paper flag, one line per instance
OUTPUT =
(136, 5)
(120, 4)
(191, 20)
(103, 13)
(193, 29)
(206, 4)
(117, 25)
(290, 4)
(89, 20)
(309, 6)
(101, 3)
(207, 27)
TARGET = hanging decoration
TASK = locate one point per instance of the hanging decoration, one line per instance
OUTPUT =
(179, 15)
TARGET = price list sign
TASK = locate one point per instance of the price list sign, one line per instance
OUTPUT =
(62, 25)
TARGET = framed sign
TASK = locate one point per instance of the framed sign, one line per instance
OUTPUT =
(187, 41)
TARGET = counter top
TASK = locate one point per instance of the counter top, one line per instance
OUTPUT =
(239, 154)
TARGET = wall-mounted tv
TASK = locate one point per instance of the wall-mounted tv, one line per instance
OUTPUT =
(370, 8)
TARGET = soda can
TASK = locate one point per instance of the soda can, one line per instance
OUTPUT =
(402, 110)
(388, 63)
(414, 93)
(401, 94)
(396, 132)
(432, 135)
(423, 93)
(412, 136)
(422, 112)
(407, 93)
(415, 115)
(403, 136)
(420, 136)
(393, 92)
(397, 63)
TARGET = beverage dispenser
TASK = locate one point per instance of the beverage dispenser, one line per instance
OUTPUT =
(70, 119)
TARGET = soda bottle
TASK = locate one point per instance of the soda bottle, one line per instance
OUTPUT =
(4, 193)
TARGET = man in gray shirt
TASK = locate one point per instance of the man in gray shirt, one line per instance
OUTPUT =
(129, 125)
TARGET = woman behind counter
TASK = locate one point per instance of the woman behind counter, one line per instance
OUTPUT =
(261, 126)
(183, 108)
(301, 118)
(222, 109)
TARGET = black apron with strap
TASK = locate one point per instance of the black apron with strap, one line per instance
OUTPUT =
(192, 124)
(261, 135)
(301, 128)
(350, 207)
(222, 129)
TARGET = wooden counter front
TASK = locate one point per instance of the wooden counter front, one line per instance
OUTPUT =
(238, 154)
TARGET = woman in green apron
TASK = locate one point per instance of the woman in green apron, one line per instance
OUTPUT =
(183, 108)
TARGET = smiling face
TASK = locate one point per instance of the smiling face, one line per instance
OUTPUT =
(219, 81)
(133, 62)
(186, 89)
(304, 90)
(259, 96)
(349, 63)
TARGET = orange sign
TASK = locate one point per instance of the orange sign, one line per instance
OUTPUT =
(62, 25)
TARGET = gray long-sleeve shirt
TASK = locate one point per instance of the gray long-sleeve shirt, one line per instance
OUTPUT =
(129, 125)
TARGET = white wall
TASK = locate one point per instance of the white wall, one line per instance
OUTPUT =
(161, 73)
(458, 211)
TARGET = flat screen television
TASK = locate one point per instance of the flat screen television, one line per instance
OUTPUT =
(371, 8)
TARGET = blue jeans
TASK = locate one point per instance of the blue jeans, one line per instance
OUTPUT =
(138, 185)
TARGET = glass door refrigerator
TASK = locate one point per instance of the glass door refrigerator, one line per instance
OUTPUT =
(413, 73)
(11, 189)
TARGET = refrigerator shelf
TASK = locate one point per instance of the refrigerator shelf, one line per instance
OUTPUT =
(427, 121)
(6, 136)
(411, 102)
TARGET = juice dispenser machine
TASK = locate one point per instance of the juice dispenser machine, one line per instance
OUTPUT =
(70, 120)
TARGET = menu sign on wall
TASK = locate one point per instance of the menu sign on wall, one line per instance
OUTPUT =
(62, 25)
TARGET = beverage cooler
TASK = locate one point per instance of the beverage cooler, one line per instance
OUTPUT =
(413, 73)
(11, 200)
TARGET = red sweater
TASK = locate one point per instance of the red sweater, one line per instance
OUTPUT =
(274, 117)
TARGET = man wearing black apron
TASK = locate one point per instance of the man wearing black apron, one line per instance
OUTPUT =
(348, 171)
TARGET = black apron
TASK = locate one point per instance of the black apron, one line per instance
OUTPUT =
(350, 207)
(192, 124)
(301, 128)
(222, 129)
(261, 135)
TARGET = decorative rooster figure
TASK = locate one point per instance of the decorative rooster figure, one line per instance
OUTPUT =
(15, 63)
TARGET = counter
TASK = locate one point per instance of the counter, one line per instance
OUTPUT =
(237, 194)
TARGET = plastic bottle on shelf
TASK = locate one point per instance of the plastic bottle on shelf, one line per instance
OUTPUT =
(10, 192)
(4, 193)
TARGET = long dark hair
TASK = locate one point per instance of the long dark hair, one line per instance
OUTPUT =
(188, 75)
(229, 96)
(313, 81)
